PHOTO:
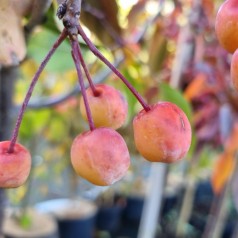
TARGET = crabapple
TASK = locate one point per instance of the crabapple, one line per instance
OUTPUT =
(234, 69)
(14, 166)
(100, 156)
(108, 106)
(162, 134)
(226, 25)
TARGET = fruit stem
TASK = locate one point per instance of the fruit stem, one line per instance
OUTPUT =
(62, 36)
(98, 54)
(76, 58)
(94, 90)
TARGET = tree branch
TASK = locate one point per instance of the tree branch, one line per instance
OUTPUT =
(57, 43)
(69, 11)
(46, 102)
(7, 79)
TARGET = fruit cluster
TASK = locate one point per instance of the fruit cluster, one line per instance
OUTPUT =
(226, 27)
(162, 131)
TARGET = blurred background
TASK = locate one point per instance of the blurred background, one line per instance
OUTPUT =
(168, 51)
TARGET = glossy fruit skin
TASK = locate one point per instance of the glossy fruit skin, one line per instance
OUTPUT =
(108, 108)
(14, 167)
(162, 134)
(234, 69)
(100, 156)
(226, 25)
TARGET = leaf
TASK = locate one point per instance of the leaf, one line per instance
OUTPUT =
(200, 86)
(197, 86)
(39, 45)
(25, 221)
(167, 93)
(223, 170)
(110, 9)
(158, 49)
(135, 14)
(105, 26)
(205, 161)
(34, 121)
(226, 163)
(57, 129)
(209, 7)
(170, 94)
(52, 23)
(231, 145)
(208, 131)
(234, 189)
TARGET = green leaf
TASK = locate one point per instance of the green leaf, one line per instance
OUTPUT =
(25, 221)
(57, 129)
(167, 93)
(193, 145)
(39, 45)
(34, 121)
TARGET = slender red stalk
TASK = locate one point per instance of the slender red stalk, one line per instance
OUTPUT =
(98, 54)
(62, 36)
(76, 58)
(94, 90)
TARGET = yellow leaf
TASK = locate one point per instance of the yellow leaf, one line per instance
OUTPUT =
(196, 86)
(223, 170)
(231, 145)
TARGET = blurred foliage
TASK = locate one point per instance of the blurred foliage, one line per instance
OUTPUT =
(169, 55)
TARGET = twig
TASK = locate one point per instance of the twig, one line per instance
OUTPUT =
(76, 58)
(87, 72)
(44, 102)
(52, 101)
(62, 36)
(69, 12)
(98, 54)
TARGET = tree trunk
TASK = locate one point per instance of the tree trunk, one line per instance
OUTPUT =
(7, 78)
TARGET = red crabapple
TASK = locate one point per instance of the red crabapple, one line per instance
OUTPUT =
(162, 134)
(100, 156)
(108, 107)
(14, 167)
(226, 25)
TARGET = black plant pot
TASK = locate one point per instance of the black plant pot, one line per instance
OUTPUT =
(203, 199)
(108, 218)
(75, 218)
(133, 209)
(72, 228)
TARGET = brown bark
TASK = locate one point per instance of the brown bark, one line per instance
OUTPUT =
(7, 79)
(71, 16)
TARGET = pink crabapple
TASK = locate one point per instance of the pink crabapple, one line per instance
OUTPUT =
(109, 107)
(162, 134)
(15, 166)
(100, 156)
